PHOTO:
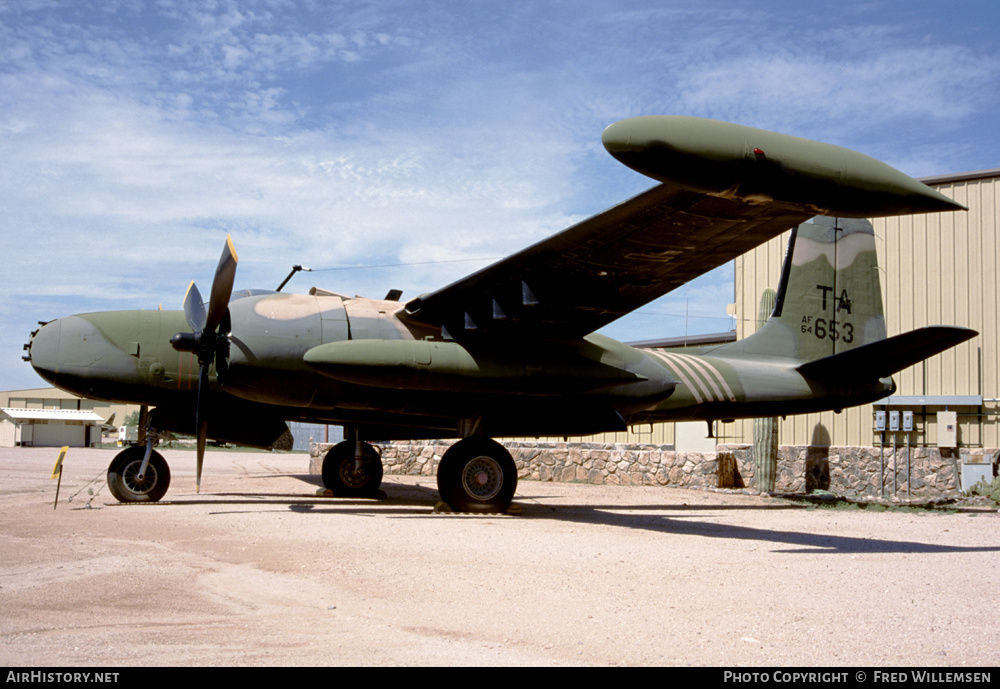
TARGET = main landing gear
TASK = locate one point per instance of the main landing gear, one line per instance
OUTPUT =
(350, 474)
(130, 481)
(477, 475)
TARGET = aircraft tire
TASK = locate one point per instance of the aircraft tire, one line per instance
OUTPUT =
(123, 481)
(477, 475)
(341, 478)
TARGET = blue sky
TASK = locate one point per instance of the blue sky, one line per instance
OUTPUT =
(135, 135)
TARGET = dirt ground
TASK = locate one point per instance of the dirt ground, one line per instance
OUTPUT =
(258, 570)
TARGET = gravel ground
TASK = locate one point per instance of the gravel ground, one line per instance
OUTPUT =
(258, 570)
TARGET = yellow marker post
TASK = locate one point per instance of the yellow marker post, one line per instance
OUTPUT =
(57, 471)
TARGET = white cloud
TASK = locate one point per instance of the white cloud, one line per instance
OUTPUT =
(134, 138)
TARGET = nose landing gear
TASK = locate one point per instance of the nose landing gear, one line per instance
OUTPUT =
(128, 481)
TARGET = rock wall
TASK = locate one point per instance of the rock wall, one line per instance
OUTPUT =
(846, 471)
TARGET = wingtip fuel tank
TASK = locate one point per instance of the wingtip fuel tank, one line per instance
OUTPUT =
(756, 165)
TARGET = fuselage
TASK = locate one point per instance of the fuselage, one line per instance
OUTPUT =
(330, 359)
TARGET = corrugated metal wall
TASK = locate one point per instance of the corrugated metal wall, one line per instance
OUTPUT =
(647, 434)
(650, 434)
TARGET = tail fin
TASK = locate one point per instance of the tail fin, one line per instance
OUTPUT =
(830, 299)
(828, 311)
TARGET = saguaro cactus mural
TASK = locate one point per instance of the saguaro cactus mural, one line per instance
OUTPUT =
(765, 431)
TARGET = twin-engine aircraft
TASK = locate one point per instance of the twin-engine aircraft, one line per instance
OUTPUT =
(511, 350)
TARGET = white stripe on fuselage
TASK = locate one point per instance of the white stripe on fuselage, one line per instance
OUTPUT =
(701, 377)
(711, 372)
(680, 371)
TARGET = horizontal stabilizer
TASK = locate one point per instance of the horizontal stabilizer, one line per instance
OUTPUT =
(886, 357)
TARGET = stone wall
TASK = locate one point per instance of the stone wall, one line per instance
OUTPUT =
(846, 471)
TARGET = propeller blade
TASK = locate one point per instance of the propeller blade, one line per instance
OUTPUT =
(194, 308)
(222, 347)
(226, 326)
(222, 285)
(202, 437)
(201, 422)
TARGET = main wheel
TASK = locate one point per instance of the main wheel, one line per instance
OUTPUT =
(477, 475)
(125, 483)
(343, 476)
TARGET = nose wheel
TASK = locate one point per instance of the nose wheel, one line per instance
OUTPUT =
(477, 475)
(129, 483)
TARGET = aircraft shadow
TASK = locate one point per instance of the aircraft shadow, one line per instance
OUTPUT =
(796, 541)
(418, 501)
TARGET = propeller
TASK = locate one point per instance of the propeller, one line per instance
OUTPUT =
(209, 338)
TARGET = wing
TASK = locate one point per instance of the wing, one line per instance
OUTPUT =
(725, 189)
(591, 274)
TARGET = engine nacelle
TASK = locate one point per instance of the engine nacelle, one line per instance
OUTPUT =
(429, 365)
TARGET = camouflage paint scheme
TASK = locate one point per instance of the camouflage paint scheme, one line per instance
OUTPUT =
(511, 350)
(829, 301)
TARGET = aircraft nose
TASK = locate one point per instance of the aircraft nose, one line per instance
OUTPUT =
(43, 350)
(70, 348)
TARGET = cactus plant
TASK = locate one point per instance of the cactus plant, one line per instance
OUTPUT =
(765, 431)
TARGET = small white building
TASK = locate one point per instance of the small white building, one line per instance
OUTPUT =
(49, 427)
